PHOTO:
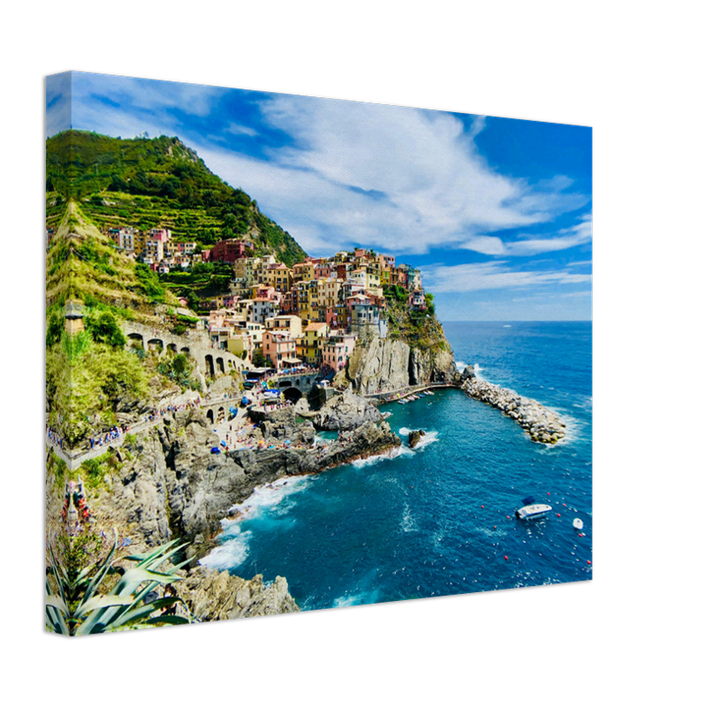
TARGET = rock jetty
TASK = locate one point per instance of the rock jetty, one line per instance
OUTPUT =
(540, 423)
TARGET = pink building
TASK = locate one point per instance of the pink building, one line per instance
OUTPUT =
(162, 235)
(387, 262)
(280, 348)
(417, 300)
(337, 350)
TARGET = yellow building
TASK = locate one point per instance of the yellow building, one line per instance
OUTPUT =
(278, 276)
(242, 346)
(328, 292)
(308, 299)
(304, 271)
(310, 345)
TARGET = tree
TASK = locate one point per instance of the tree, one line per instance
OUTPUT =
(105, 330)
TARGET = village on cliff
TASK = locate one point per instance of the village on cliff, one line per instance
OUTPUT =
(309, 314)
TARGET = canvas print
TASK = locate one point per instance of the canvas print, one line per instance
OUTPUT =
(305, 353)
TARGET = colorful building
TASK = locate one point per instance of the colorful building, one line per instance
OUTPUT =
(309, 346)
(280, 348)
(337, 349)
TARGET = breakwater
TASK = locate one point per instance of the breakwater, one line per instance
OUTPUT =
(541, 424)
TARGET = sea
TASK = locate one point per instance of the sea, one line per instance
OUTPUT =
(440, 519)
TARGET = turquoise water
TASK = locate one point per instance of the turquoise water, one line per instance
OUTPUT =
(439, 519)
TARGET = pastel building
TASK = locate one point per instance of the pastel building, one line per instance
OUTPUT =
(337, 349)
(310, 344)
(279, 347)
(263, 308)
(289, 323)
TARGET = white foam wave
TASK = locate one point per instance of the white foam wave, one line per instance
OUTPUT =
(392, 454)
(461, 366)
(429, 437)
(356, 599)
(408, 523)
(264, 498)
(230, 554)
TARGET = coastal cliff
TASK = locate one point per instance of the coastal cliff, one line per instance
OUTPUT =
(168, 483)
(387, 365)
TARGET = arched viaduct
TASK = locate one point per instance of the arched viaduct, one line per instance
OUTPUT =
(194, 344)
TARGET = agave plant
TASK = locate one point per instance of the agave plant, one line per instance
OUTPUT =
(78, 608)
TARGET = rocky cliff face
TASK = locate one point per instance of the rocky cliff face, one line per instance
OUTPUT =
(346, 412)
(383, 365)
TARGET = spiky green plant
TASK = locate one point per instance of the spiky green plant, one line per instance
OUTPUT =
(77, 607)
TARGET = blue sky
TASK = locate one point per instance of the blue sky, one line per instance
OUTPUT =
(496, 212)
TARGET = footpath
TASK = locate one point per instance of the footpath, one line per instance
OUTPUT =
(75, 457)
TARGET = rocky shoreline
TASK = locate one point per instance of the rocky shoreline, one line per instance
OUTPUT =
(541, 424)
(167, 483)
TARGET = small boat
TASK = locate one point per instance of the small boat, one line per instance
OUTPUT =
(578, 524)
(533, 511)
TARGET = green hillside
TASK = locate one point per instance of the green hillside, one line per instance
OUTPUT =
(155, 183)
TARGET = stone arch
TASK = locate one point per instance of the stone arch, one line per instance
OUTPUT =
(136, 339)
(185, 350)
(155, 344)
(292, 394)
(209, 365)
(210, 416)
(220, 364)
(172, 348)
(220, 414)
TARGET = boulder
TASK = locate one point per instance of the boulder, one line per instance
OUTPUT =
(346, 412)
(415, 437)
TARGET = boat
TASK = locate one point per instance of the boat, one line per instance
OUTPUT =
(534, 510)
(578, 524)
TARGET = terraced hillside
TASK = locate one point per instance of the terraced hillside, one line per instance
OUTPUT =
(159, 182)
(83, 264)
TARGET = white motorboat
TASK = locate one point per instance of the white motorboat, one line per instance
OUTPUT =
(578, 524)
(533, 511)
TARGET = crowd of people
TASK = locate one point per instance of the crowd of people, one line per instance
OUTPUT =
(103, 440)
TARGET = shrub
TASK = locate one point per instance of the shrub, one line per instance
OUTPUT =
(75, 606)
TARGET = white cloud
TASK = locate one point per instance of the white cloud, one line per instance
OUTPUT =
(530, 245)
(237, 129)
(395, 178)
(471, 277)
